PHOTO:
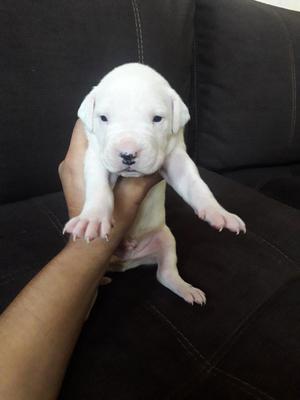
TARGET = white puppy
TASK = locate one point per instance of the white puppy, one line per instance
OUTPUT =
(134, 124)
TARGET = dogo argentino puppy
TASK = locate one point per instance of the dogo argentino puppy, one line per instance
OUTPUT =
(134, 124)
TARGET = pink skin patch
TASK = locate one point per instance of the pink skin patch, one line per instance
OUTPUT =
(127, 146)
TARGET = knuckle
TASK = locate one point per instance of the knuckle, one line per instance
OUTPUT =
(61, 167)
(66, 168)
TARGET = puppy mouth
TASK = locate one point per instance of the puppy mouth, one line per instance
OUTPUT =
(129, 171)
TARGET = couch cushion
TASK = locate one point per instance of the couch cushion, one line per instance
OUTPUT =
(279, 182)
(51, 56)
(286, 190)
(31, 234)
(142, 341)
(246, 87)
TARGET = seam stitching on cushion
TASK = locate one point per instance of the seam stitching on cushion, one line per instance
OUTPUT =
(138, 15)
(274, 247)
(293, 75)
(138, 31)
(219, 355)
(208, 367)
(233, 378)
(182, 339)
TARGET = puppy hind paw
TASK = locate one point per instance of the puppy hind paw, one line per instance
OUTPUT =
(192, 295)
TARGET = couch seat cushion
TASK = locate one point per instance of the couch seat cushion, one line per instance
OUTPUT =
(143, 342)
(31, 234)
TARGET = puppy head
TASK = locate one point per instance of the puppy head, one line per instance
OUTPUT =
(134, 114)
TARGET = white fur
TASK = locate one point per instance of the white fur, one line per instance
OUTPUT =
(129, 97)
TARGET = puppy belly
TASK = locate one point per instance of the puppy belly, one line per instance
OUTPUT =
(145, 236)
(159, 247)
(151, 214)
(135, 252)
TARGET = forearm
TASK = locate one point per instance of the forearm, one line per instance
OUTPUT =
(39, 329)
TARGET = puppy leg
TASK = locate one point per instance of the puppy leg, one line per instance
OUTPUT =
(182, 174)
(167, 272)
(159, 247)
(95, 218)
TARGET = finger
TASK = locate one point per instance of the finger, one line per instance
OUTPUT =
(151, 180)
(71, 173)
(78, 143)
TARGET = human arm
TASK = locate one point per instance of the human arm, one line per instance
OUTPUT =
(39, 329)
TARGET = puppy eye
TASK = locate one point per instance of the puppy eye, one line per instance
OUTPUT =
(157, 118)
(103, 118)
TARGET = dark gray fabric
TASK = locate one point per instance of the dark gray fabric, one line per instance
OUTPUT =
(247, 58)
(51, 56)
(143, 342)
(31, 235)
(285, 190)
(278, 182)
(153, 345)
(257, 177)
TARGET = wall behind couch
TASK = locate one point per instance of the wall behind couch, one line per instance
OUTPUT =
(291, 4)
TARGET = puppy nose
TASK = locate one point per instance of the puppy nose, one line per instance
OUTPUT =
(128, 158)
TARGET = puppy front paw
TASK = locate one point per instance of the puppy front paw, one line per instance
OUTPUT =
(89, 225)
(219, 219)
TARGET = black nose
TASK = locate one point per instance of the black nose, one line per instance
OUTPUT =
(127, 158)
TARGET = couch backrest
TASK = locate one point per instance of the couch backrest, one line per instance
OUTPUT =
(247, 85)
(52, 53)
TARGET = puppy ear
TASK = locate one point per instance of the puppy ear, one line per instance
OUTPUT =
(181, 113)
(86, 110)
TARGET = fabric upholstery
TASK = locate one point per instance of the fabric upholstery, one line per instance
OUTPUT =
(51, 56)
(285, 190)
(31, 235)
(280, 183)
(247, 58)
(143, 342)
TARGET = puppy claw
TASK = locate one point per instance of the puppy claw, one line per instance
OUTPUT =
(106, 237)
